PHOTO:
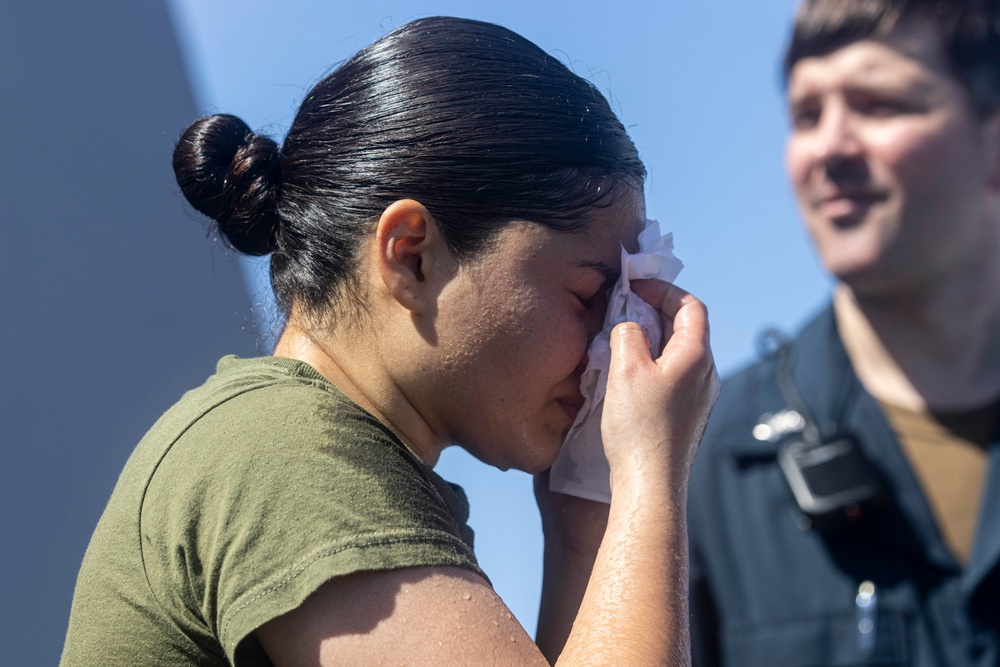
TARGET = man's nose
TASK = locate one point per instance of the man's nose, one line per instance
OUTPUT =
(836, 139)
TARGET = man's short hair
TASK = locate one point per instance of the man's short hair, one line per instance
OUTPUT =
(969, 29)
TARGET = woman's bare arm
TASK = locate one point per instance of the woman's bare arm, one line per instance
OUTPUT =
(412, 616)
(574, 528)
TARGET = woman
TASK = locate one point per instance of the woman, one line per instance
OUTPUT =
(444, 218)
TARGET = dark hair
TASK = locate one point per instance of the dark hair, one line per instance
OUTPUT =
(473, 121)
(968, 29)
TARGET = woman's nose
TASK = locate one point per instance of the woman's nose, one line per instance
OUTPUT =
(595, 315)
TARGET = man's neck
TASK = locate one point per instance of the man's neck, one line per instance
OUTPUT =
(938, 349)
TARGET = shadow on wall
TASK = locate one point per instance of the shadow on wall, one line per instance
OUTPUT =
(113, 300)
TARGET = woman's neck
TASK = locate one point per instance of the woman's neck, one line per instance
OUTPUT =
(938, 348)
(355, 368)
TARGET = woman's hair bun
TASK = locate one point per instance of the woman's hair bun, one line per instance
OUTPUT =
(233, 176)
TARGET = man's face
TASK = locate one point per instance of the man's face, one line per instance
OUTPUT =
(891, 167)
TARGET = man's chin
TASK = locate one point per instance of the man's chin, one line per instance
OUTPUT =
(874, 281)
(854, 264)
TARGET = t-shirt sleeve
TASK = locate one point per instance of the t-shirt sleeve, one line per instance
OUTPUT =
(269, 495)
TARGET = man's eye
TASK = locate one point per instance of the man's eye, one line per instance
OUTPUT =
(882, 109)
(882, 105)
(805, 118)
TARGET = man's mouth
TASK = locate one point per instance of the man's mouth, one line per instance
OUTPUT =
(846, 207)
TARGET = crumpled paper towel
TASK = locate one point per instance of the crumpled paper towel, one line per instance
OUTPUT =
(581, 468)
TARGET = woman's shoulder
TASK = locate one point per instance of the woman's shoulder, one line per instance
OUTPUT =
(258, 415)
(266, 402)
(267, 481)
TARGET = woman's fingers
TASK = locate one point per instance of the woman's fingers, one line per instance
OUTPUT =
(665, 297)
(629, 346)
(685, 318)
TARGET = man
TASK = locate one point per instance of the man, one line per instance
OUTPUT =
(845, 504)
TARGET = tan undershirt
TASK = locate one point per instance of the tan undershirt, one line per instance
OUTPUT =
(948, 454)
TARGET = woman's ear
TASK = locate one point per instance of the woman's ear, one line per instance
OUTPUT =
(409, 253)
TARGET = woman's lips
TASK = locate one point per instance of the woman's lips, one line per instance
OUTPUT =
(572, 406)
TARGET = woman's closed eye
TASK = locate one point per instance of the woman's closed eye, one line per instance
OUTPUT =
(596, 282)
(593, 295)
(596, 299)
(588, 300)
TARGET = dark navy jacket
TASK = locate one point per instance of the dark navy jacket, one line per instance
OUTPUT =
(768, 590)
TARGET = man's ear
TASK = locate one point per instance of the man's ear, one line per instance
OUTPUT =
(409, 254)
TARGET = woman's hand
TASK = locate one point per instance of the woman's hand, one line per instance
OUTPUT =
(656, 410)
(596, 555)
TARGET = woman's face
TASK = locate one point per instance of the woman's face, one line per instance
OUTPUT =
(512, 330)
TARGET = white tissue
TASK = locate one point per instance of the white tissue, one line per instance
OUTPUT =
(581, 468)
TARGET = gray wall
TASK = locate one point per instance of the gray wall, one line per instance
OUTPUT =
(112, 300)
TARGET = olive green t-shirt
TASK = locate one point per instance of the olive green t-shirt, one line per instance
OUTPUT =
(244, 498)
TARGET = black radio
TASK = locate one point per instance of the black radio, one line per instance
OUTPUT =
(829, 475)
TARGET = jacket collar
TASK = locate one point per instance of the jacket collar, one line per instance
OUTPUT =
(825, 374)
(822, 374)
(986, 550)
(838, 402)
(841, 404)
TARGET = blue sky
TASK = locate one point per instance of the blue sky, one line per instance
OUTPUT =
(697, 84)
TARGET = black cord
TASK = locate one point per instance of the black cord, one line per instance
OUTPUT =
(772, 344)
